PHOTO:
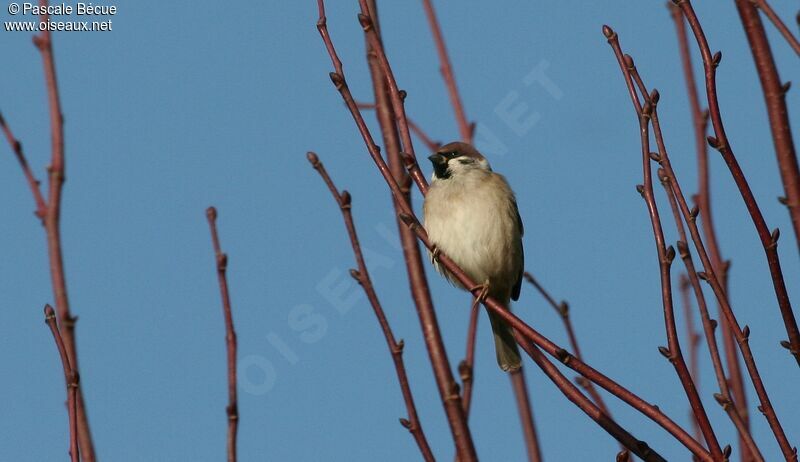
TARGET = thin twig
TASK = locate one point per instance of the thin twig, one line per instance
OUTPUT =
(665, 257)
(703, 200)
(562, 309)
(691, 334)
(52, 219)
(446, 68)
(361, 275)
(775, 99)
(709, 274)
(449, 391)
(466, 130)
(778, 23)
(526, 414)
(748, 447)
(34, 184)
(70, 380)
(769, 240)
(567, 358)
(232, 410)
(466, 368)
(415, 128)
(640, 448)
(396, 96)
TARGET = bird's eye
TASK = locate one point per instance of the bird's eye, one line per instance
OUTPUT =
(451, 155)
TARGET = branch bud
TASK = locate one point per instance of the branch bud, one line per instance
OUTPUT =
(746, 332)
(407, 219)
(640, 189)
(702, 275)
(713, 142)
(405, 423)
(337, 79)
(716, 59)
(783, 200)
(654, 96)
(665, 352)
(726, 451)
(776, 234)
(365, 21)
(211, 213)
(670, 254)
(628, 61)
(655, 156)
(345, 199)
(694, 211)
(786, 86)
(355, 274)
(662, 175)
(312, 158)
(608, 32)
(683, 249)
(714, 324)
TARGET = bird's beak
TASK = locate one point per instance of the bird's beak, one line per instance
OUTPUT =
(437, 159)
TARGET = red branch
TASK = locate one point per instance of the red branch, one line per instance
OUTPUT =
(232, 410)
(361, 275)
(703, 200)
(778, 23)
(448, 389)
(562, 309)
(415, 128)
(16, 146)
(70, 379)
(742, 335)
(775, 99)
(691, 334)
(665, 257)
(50, 213)
(466, 131)
(446, 68)
(526, 414)
(768, 240)
(640, 448)
(467, 366)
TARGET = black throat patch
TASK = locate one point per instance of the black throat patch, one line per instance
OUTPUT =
(440, 170)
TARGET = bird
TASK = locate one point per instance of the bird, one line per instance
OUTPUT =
(471, 215)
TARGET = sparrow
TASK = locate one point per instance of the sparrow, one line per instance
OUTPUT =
(470, 214)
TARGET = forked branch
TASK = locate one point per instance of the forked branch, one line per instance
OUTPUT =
(361, 275)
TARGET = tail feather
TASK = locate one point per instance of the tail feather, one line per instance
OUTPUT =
(508, 357)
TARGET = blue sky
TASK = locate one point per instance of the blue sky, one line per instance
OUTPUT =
(188, 104)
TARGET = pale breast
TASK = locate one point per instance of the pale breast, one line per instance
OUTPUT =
(474, 221)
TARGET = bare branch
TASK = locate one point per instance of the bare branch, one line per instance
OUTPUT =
(449, 394)
(703, 200)
(361, 275)
(70, 379)
(52, 219)
(446, 68)
(34, 184)
(742, 335)
(778, 23)
(769, 240)
(232, 410)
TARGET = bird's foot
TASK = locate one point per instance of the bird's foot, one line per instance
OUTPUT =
(484, 291)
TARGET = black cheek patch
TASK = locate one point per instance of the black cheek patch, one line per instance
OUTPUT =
(441, 172)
